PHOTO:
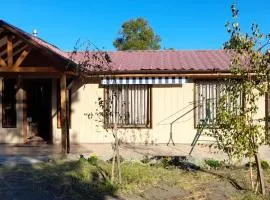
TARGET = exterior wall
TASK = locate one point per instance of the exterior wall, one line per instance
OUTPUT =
(12, 135)
(168, 103)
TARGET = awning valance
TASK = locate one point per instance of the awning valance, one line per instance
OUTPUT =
(144, 81)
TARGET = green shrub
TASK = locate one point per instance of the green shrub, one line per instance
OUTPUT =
(166, 161)
(265, 164)
(93, 160)
(213, 163)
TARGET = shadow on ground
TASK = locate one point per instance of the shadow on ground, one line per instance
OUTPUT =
(52, 181)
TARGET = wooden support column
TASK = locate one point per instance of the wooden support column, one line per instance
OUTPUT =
(64, 123)
(24, 99)
(68, 121)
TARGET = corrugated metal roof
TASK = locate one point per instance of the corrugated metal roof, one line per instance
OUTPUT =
(167, 60)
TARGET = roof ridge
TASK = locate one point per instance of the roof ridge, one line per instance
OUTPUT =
(156, 51)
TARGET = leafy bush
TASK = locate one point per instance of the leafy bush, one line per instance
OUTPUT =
(93, 160)
(213, 163)
(265, 164)
(166, 161)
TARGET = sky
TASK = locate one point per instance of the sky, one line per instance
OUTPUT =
(181, 24)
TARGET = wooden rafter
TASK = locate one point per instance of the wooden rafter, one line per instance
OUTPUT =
(10, 51)
(16, 44)
(2, 62)
(22, 57)
(14, 49)
(19, 50)
(28, 69)
(3, 41)
(3, 33)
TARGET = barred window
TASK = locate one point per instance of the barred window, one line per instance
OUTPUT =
(9, 116)
(206, 99)
(207, 96)
(127, 105)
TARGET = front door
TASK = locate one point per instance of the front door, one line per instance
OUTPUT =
(38, 110)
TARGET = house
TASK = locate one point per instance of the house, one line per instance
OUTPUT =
(157, 93)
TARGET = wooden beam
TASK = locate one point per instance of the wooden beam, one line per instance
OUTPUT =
(24, 47)
(64, 124)
(17, 44)
(3, 41)
(21, 85)
(68, 119)
(21, 57)
(2, 63)
(10, 50)
(28, 69)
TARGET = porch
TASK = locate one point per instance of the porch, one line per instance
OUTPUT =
(30, 70)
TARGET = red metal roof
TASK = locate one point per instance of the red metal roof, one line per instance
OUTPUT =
(167, 60)
(150, 60)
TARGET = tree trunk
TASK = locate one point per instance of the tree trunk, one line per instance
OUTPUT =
(260, 173)
(251, 174)
(113, 164)
(118, 158)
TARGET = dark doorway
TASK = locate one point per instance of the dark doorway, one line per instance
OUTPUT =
(38, 109)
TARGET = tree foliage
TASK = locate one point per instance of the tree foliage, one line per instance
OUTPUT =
(136, 34)
(92, 61)
(239, 130)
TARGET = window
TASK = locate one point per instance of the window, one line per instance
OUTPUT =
(59, 106)
(127, 105)
(206, 99)
(207, 95)
(9, 116)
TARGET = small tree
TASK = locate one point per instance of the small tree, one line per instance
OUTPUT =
(239, 132)
(136, 34)
(91, 62)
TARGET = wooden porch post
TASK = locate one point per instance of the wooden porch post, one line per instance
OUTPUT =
(64, 123)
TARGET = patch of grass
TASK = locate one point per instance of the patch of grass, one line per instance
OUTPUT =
(213, 163)
(250, 196)
(85, 179)
(265, 164)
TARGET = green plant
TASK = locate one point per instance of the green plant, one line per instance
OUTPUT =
(237, 131)
(93, 160)
(166, 161)
(265, 164)
(213, 163)
(146, 159)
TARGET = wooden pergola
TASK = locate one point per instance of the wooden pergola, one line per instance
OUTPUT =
(24, 55)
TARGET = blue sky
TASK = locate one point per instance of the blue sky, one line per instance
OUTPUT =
(181, 24)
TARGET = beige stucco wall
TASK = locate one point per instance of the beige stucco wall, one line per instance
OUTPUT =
(12, 135)
(168, 103)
